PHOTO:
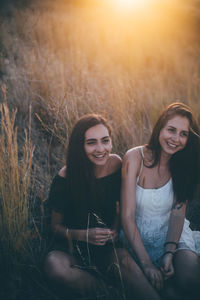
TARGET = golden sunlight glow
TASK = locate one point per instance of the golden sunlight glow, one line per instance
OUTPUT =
(132, 3)
(141, 10)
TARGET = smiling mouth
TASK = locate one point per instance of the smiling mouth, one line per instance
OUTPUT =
(99, 156)
(172, 145)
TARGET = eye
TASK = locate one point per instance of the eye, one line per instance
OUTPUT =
(184, 134)
(90, 143)
(105, 141)
(170, 129)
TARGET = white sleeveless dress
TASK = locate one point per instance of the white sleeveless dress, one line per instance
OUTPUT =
(153, 208)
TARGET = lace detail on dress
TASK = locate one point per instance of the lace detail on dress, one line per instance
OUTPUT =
(153, 234)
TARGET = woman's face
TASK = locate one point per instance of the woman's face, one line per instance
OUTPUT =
(174, 135)
(98, 144)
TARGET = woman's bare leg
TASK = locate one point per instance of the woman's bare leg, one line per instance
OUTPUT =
(135, 282)
(59, 267)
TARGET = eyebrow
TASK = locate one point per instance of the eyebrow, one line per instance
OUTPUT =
(92, 139)
(175, 128)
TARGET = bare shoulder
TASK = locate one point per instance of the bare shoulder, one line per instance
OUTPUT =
(132, 161)
(115, 162)
(62, 172)
(133, 154)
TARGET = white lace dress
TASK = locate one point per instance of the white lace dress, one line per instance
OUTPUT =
(153, 208)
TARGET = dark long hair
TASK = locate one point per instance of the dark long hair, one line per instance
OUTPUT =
(184, 165)
(80, 170)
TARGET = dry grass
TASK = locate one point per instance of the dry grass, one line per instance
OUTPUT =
(16, 183)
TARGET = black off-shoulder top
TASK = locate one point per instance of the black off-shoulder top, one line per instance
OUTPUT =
(98, 211)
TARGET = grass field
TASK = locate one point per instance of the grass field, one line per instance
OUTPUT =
(62, 59)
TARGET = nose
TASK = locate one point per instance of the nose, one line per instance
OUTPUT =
(100, 147)
(176, 137)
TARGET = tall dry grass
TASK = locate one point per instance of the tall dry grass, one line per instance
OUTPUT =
(16, 184)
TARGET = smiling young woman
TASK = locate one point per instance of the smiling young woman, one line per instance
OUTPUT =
(98, 146)
(83, 199)
(174, 135)
(158, 180)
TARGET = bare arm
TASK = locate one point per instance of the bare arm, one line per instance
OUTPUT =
(60, 230)
(175, 225)
(130, 171)
(173, 235)
(96, 236)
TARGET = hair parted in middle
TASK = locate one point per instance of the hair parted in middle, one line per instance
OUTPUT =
(184, 164)
(80, 170)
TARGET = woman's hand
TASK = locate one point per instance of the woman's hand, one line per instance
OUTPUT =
(99, 236)
(166, 266)
(154, 275)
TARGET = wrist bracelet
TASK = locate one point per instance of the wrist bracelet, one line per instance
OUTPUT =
(167, 252)
(173, 243)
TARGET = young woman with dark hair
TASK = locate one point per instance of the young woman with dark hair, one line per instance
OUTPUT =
(84, 199)
(158, 180)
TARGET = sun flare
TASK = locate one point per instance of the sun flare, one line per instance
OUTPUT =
(132, 4)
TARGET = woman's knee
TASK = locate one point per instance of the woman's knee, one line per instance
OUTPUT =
(57, 266)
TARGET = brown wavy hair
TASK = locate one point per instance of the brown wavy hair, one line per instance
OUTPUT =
(80, 170)
(184, 164)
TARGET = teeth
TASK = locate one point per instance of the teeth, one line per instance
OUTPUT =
(99, 156)
(172, 145)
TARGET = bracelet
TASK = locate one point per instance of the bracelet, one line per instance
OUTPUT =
(167, 252)
(173, 243)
